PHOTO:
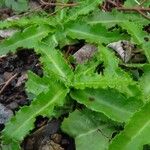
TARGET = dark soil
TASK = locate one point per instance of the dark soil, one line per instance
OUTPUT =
(15, 67)
(13, 75)
(48, 136)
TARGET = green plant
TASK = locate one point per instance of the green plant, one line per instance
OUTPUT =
(19, 5)
(112, 97)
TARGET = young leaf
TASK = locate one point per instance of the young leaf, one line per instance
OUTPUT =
(110, 102)
(61, 11)
(89, 127)
(27, 39)
(98, 81)
(37, 85)
(43, 104)
(136, 132)
(135, 30)
(54, 63)
(112, 76)
(82, 8)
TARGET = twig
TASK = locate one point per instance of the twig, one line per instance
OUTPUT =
(112, 2)
(137, 9)
(133, 9)
(143, 14)
(58, 4)
(7, 83)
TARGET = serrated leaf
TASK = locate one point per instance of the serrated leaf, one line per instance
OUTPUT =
(135, 30)
(36, 84)
(110, 102)
(83, 8)
(88, 127)
(92, 34)
(136, 132)
(112, 76)
(101, 17)
(55, 63)
(27, 21)
(114, 17)
(27, 39)
(43, 104)
(98, 81)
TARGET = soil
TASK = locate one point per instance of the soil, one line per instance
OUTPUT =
(13, 75)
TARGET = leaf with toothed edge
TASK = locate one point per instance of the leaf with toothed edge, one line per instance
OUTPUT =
(82, 8)
(113, 76)
(20, 125)
(136, 132)
(87, 127)
(92, 33)
(108, 101)
(26, 39)
(55, 63)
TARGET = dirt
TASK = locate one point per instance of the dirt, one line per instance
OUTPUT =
(48, 136)
(13, 75)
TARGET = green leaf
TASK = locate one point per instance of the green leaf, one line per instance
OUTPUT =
(101, 17)
(19, 5)
(135, 30)
(132, 3)
(11, 146)
(83, 8)
(111, 75)
(92, 34)
(110, 102)
(61, 11)
(27, 39)
(36, 84)
(144, 82)
(55, 63)
(43, 104)
(88, 127)
(114, 17)
(27, 21)
(136, 132)
(2, 3)
(146, 48)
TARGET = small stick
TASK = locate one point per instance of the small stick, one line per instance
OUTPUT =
(113, 3)
(7, 83)
(143, 14)
(58, 4)
(137, 9)
(133, 9)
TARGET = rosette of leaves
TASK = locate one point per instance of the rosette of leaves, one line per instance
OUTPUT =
(111, 95)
